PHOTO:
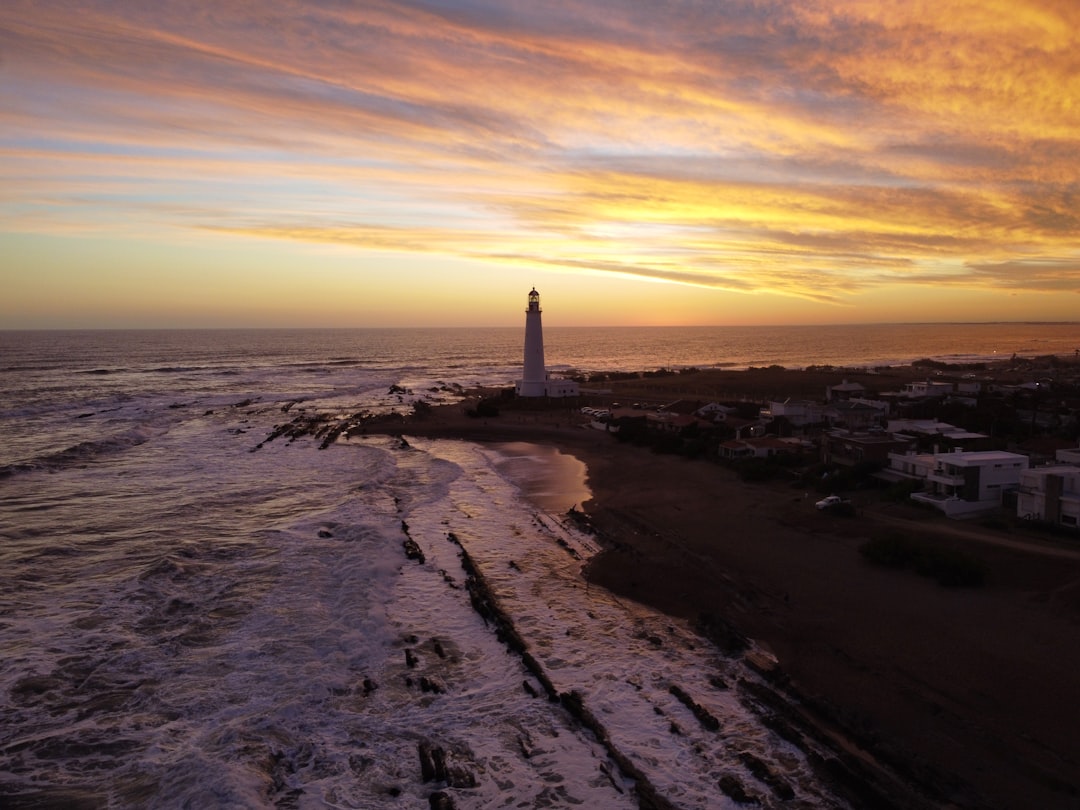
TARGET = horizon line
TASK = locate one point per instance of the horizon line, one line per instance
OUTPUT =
(518, 326)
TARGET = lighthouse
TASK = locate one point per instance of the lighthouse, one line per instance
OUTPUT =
(535, 381)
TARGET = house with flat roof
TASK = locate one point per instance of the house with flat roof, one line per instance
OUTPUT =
(798, 413)
(1069, 455)
(850, 448)
(926, 388)
(930, 432)
(855, 415)
(920, 427)
(845, 390)
(1050, 494)
(961, 483)
(765, 447)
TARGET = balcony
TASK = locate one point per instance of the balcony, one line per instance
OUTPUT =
(939, 476)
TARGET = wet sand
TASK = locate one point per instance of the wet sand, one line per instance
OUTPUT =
(553, 480)
(970, 693)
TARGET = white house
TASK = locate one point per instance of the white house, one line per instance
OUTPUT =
(1068, 456)
(1051, 494)
(715, 411)
(926, 388)
(931, 429)
(799, 413)
(961, 483)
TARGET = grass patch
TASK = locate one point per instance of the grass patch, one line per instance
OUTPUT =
(948, 567)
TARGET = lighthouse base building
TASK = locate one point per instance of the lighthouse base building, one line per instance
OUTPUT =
(535, 380)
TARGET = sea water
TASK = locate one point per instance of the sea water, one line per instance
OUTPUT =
(194, 616)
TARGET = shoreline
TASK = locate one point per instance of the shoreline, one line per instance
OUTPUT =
(966, 694)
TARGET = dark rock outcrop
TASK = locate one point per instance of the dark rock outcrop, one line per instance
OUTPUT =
(434, 767)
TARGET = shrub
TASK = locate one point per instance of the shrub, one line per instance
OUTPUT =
(484, 408)
(633, 429)
(667, 443)
(890, 550)
(926, 362)
(953, 569)
(948, 567)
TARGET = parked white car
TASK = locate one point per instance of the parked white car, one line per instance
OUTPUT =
(831, 500)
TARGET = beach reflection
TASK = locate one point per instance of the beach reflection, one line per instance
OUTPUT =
(550, 479)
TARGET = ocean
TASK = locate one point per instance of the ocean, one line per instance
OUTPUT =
(195, 616)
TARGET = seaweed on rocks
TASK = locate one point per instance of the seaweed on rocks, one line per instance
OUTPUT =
(413, 550)
(431, 685)
(764, 773)
(333, 433)
(704, 716)
(717, 682)
(736, 791)
(323, 426)
(648, 797)
(435, 767)
(486, 604)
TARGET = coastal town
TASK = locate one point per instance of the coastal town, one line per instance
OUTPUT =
(967, 439)
(971, 441)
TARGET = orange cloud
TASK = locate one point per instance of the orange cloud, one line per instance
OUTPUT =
(809, 149)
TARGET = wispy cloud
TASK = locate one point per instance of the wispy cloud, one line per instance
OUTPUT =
(810, 149)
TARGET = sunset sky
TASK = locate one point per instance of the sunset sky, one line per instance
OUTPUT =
(297, 163)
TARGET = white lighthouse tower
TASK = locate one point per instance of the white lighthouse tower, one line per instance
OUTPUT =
(535, 381)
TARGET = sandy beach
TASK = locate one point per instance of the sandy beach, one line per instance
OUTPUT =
(967, 693)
